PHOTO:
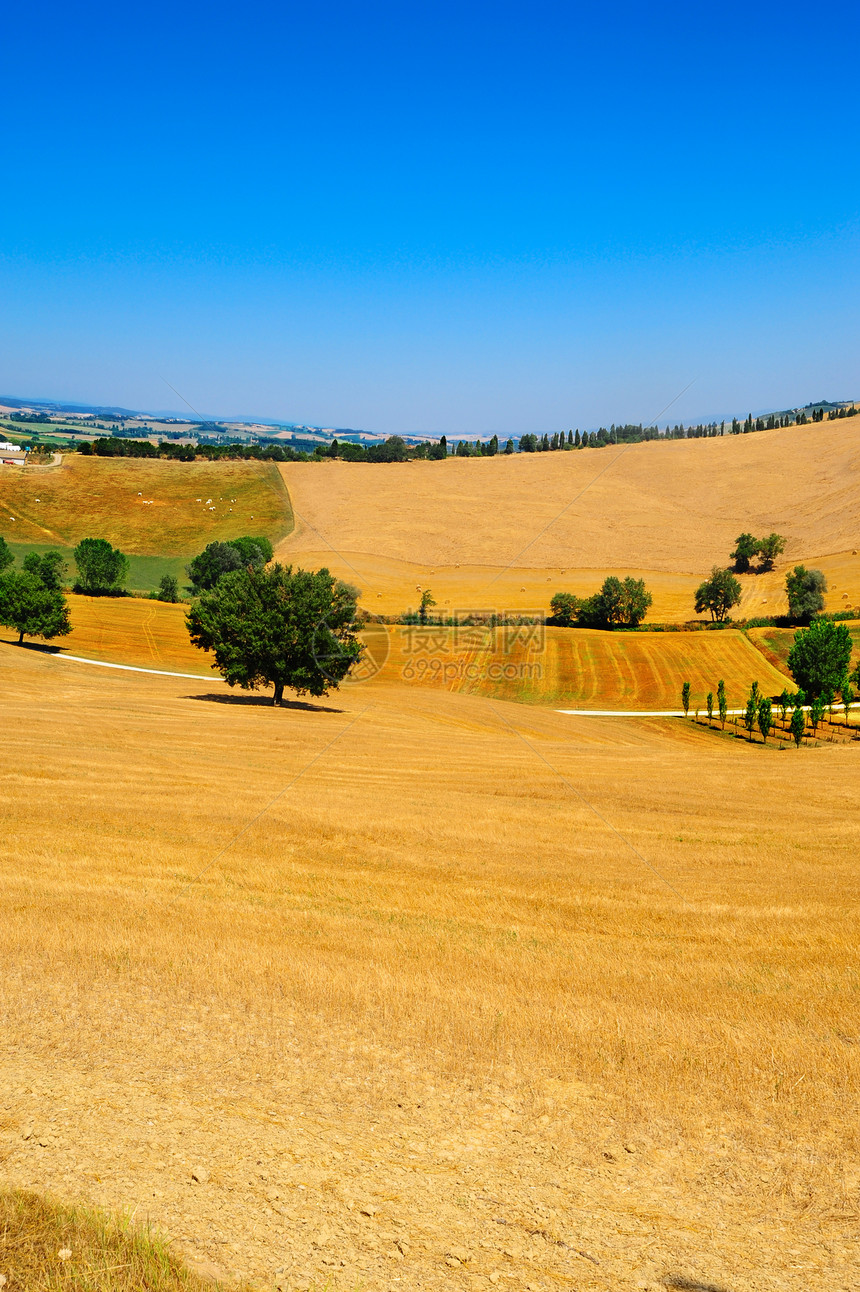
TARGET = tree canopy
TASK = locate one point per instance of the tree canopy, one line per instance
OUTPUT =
(280, 627)
(746, 548)
(101, 568)
(31, 608)
(820, 656)
(218, 559)
(718, 594)
(618, 603)
(769, 549)
(564, 607)
(50, 568)
(805, 589)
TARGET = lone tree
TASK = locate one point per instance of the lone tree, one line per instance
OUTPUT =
(718, 594)
(805, 589)
(820, 656)
(168, 589)
(427, 602)
(746, 548)
(32, 609)
(564, 607)
(280, 627)
(101, 568)
(769, 549)
(218, 559)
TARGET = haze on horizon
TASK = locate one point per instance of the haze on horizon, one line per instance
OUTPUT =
(460, 219)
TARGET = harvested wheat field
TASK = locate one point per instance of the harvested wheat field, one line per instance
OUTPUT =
(407, 989)
(147, 506)
(478, 530)
(132, 630)
(591, 669)
(529, 663)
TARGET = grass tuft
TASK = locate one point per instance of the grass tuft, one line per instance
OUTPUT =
(55, 1247)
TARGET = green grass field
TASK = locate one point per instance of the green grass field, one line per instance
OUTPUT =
(160, 513)
(147, 507)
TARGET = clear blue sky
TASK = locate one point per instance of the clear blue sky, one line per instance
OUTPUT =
(428, 217)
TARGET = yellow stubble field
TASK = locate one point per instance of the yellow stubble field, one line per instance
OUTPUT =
(507, 532)
(528, 663)
(433, 988)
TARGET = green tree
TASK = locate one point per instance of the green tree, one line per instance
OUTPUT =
(722, 703)
(612, 601)
(6, 557)
(685, 698)
(218, 559)
(427, 602)
(564, 607)
(816, 712)
(751, 714)
(168, 589)
(101, 568)
(846, 694)
(718, 594)
(820, 656)
(32, 609)
(784, 703)
(746, 548)
(765, 719)
(769, 549)
(50, 569)
(805, 589)
(637, 601)
(797, 726)
(279, 626)
(709, 703)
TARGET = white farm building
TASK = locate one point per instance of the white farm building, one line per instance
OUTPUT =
(10, 454)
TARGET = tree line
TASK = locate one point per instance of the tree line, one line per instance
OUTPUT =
(820, 663)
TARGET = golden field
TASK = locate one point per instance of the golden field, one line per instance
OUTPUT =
(529, 664)
(429, 990)
(507, 532)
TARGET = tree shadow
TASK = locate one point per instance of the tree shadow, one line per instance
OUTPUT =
(682, 1284)
(43, 648)
(263, 701)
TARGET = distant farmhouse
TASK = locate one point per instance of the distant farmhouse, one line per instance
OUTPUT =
(10, 454)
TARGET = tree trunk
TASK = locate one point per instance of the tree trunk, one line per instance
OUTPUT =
(279, 693)
(21, 637)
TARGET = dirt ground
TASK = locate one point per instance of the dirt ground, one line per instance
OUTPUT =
(408, 989)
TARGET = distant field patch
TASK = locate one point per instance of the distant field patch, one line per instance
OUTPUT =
(576, 668)
(131, 630)
(147, 508)
(581, 668)
(775, 643)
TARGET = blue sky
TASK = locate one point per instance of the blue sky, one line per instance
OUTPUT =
(431, 217)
